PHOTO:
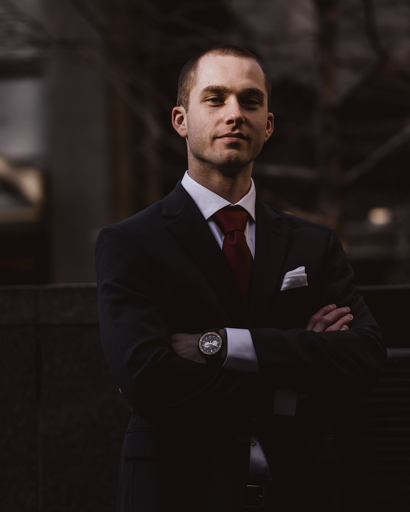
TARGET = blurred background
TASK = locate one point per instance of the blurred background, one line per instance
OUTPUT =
(86, 92)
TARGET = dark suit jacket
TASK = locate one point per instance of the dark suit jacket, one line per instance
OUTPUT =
(187, 444)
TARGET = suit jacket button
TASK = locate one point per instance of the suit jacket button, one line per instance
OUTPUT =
(244, 438)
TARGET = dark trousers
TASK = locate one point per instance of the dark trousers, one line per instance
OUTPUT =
(296, 490)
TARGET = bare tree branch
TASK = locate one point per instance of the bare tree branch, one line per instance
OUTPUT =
(134, 103)
(366, 78)
(352, 175)
(85, 9)
(19, 13)
(177, 17)
(371, 30)
(380, 154)
(21, 29)
(116, 53)
(39, 34)
(287, 207)
(285, 171)
(382, 56)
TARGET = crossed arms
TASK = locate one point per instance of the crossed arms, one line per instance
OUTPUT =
(157, 381)
(327, 319)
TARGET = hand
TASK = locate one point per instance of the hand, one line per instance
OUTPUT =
(330, 318)
(186, 345)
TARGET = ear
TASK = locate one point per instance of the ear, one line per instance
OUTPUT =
(179, 121)
(269, 126)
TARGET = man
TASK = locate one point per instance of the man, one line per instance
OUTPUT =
(231, 328)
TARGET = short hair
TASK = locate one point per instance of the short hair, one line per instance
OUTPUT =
(188, 74)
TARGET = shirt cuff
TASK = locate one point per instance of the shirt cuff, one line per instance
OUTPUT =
(241, 353)
(284, 403)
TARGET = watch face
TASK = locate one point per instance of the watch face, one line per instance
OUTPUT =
(210, 343)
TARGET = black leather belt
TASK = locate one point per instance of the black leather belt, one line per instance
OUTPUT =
(258, 496)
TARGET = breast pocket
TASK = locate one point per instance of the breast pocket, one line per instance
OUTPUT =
(292, 308)
(292, 295)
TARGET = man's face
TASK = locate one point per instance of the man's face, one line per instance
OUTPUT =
(227, 121)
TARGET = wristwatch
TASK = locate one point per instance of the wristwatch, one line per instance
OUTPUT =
(210, 344)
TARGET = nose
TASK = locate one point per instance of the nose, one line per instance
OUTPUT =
(234, 113)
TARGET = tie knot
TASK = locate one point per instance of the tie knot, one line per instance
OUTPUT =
(231, 218)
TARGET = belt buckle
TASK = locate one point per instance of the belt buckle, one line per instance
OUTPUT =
(256, 496)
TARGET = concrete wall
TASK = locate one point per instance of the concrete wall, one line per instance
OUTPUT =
(63, 419)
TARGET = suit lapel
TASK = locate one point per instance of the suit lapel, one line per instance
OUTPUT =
(192, 231)
(270, 251)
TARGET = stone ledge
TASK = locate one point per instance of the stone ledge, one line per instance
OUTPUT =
(62, 304)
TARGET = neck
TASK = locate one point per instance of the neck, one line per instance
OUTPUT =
(231, 187)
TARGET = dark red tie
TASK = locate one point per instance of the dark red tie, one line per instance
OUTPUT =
(232, 222)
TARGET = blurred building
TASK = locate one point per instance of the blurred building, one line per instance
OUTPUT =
(85, 134)
(24, 251)
(53, 168)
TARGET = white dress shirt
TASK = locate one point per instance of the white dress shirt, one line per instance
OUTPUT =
(241, 353)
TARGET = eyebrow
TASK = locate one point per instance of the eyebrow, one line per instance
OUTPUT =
(249, 91)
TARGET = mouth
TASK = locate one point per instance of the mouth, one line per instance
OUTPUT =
(233, 136)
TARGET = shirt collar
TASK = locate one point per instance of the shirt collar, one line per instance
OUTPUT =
(209, 203)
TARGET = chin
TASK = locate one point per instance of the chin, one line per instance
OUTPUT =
(233, 167)
(231, 172)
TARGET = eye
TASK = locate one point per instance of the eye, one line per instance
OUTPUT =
(214, 100)
(251, 102)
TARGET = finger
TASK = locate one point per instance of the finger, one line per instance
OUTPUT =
(322, 312)
(345, 328)
(331, 318)
(340, 324)
(323, 322)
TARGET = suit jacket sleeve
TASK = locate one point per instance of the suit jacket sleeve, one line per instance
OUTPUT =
(156, 381)
(137, 345)
(307, 361)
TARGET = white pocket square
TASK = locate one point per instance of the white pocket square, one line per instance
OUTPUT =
(294, 279)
